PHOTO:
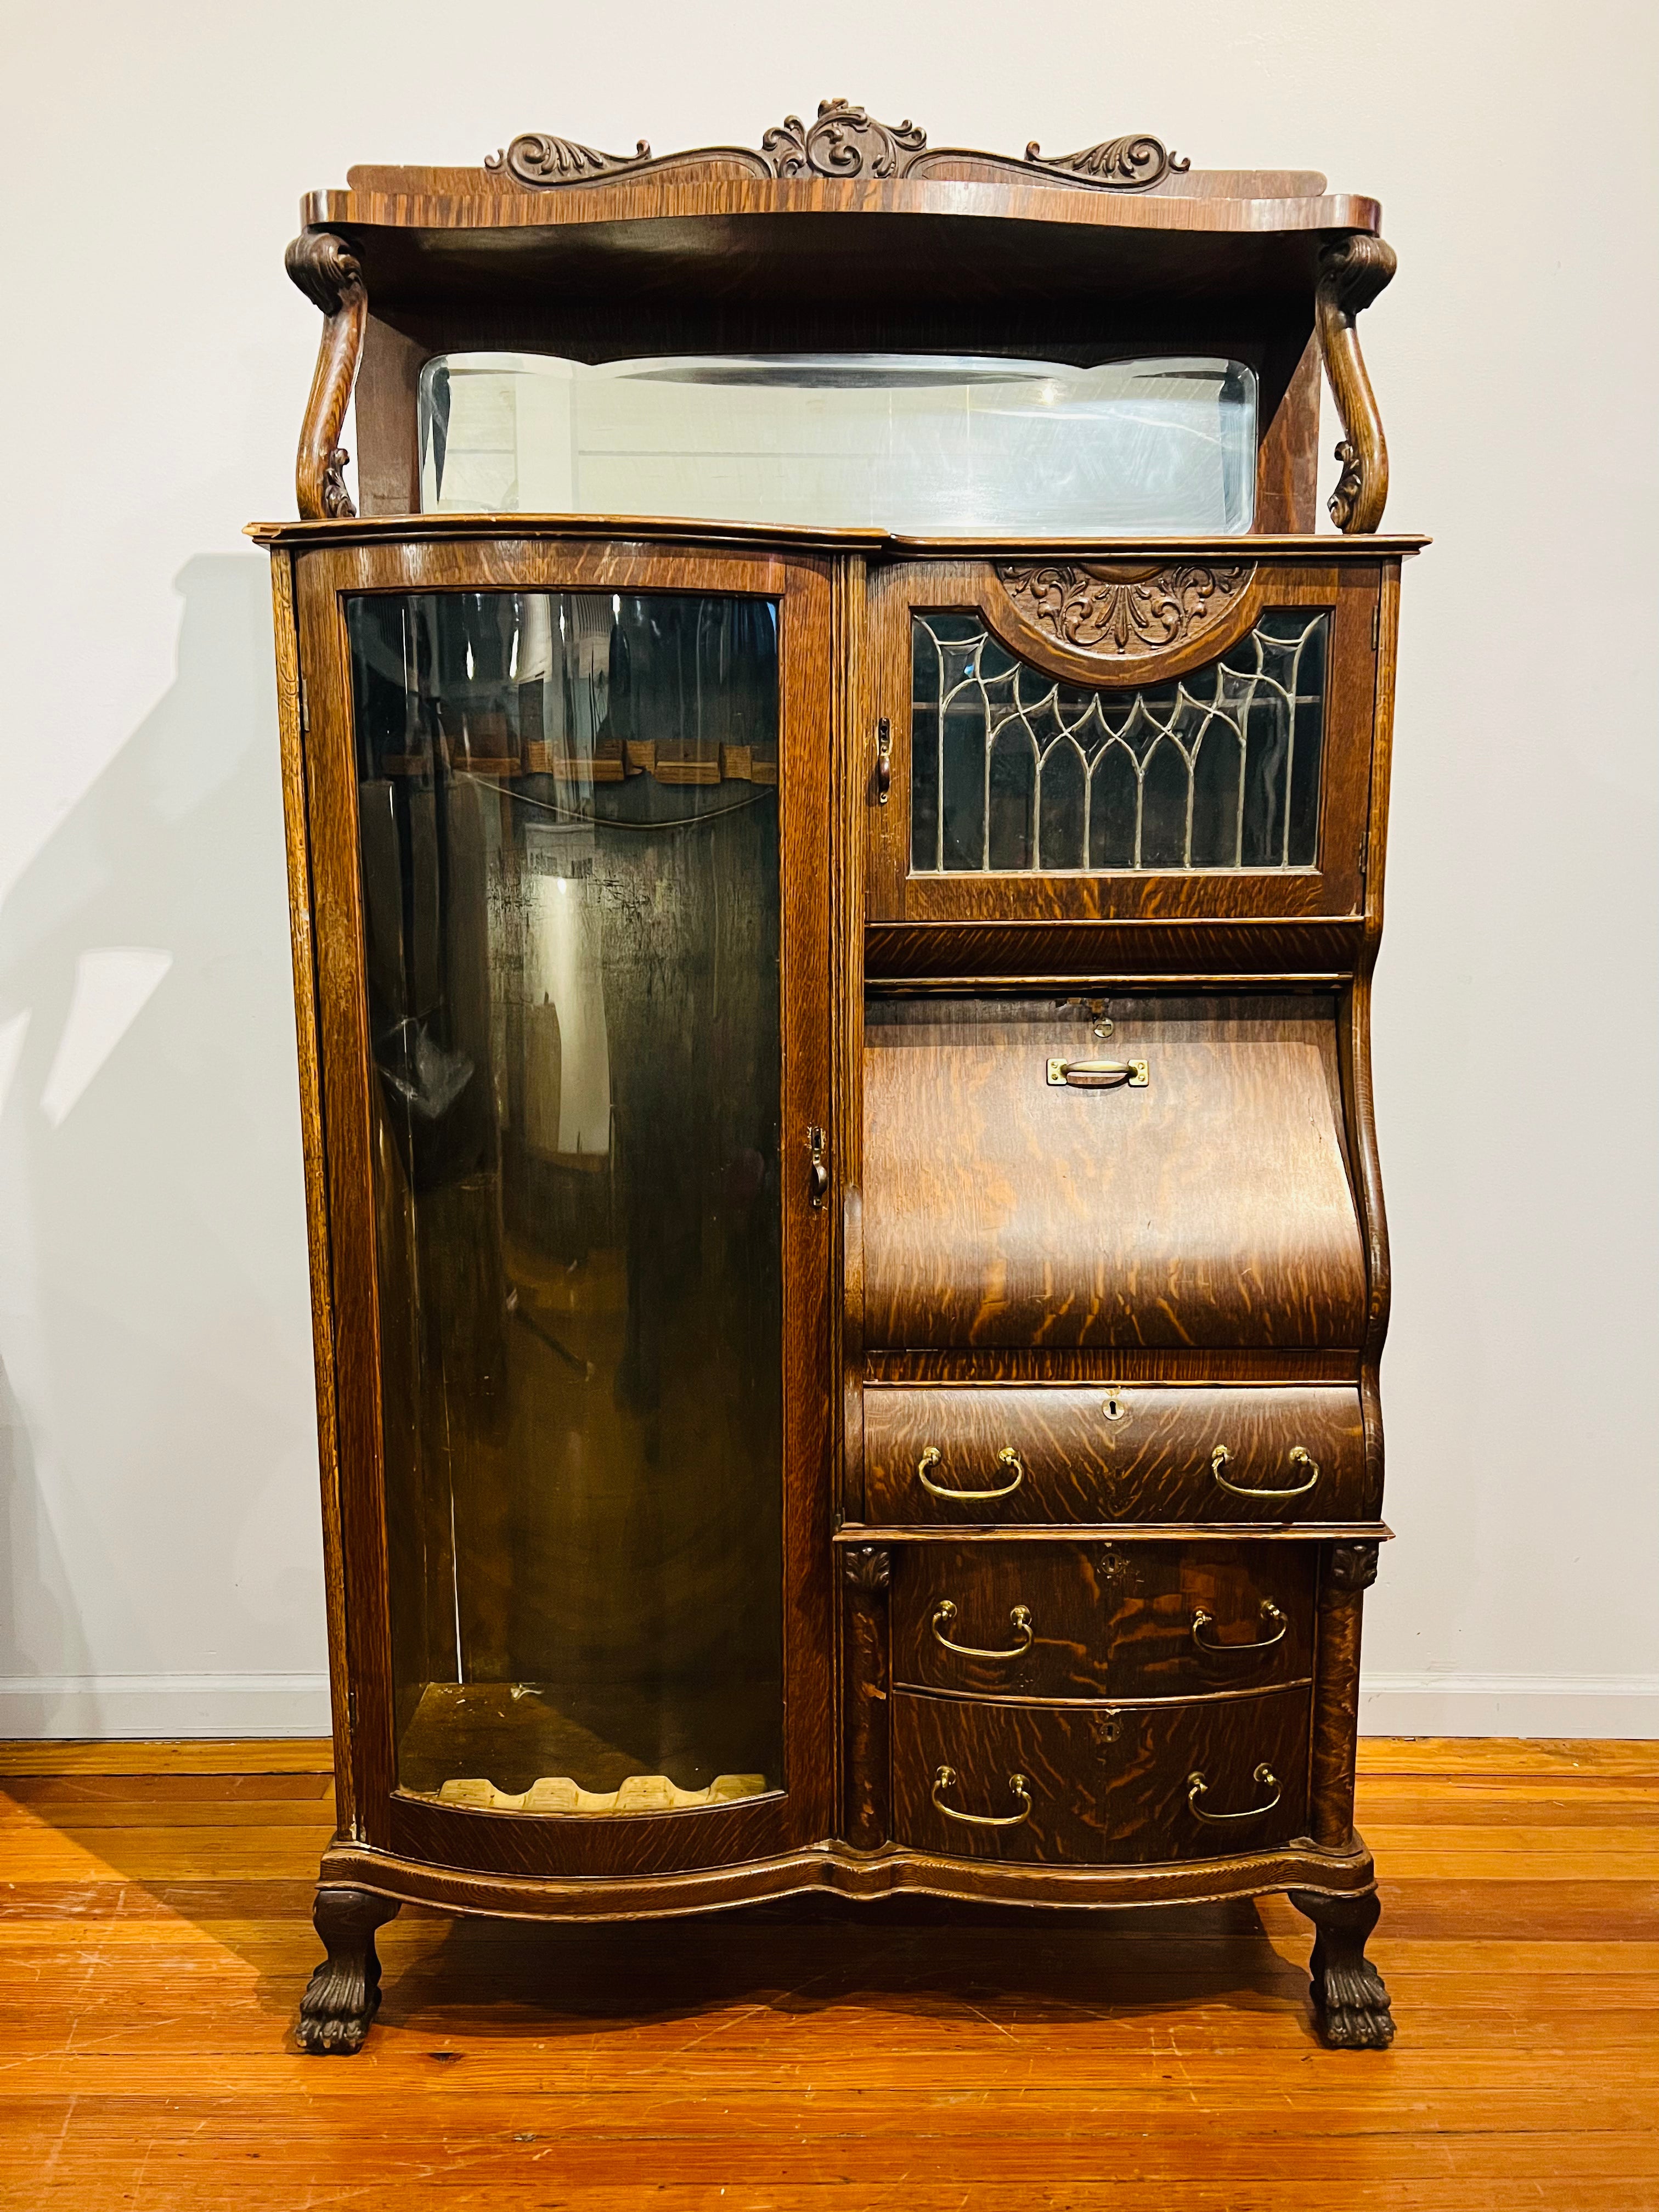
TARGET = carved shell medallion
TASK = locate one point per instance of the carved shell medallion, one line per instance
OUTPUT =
(1121, 612)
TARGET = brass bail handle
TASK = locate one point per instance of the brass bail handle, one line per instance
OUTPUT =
(1269, 1613)
(1099, 1074)
(1006, 1457)
(1019, 1620)
(1018, 1789)
(1264, 1776)
(1298, 1457)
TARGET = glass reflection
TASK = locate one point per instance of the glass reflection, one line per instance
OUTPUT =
(569, 854)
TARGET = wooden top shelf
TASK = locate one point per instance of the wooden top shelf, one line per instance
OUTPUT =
(1125, 214)
(379, 529)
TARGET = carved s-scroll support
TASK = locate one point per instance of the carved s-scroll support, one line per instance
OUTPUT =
(867, 1572)
(1352, 273)
(1348, 1570)
(328, 273)
(344, 1994)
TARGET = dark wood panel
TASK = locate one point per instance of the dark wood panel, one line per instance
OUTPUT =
(1125, 1363)
(1095, 1620)
(1213, 1206)
(1152, 1460)
(1107, 1784)
(1203, 954)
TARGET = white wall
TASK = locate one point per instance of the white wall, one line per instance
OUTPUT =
(158, 1455)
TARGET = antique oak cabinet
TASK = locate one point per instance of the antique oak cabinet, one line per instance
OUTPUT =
(847, 1254)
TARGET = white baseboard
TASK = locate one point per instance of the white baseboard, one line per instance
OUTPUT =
(166, 1706)
(162, 1706)
(1435, 1704)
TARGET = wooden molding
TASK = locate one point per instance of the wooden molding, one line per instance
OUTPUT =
(1352, 273)
(331, 278)
(842, 141)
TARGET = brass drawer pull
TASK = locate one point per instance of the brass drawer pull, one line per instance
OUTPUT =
(947, 1779)
(1196, 1787)
(1270, 1611)
(1019, 1619)
(1099, 1074)
(1220, 1456)
(1006, 1457)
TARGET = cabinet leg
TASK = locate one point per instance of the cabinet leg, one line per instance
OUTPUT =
(344, 1994)
(1350, 2002)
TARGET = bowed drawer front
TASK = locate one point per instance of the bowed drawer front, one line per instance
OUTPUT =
(1082, 1621)
(1179, 1180)
(1101, 1785)
(1022, 1452)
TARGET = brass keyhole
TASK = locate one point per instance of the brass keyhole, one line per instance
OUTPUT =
(1112, 1404)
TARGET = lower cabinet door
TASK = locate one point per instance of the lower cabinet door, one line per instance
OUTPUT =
(1100, 1785)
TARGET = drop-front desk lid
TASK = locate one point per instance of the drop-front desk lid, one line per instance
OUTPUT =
(1180, 1180)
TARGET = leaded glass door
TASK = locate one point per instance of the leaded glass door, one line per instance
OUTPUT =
(589, 870)
(1094, 741)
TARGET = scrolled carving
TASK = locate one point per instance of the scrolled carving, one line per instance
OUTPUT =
(337, 500)
(868, 1569)
(1351, 273)
(325, 270)
(331, 276)
(1130, 164)
(1356, 268)
(1121, 612)
(1350, 485)
(1350, 1568)
(844, 141)
(535, 157)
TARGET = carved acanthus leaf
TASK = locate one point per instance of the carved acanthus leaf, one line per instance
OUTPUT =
(1350, 1568)
(843, 141)
(337, 500)
(536, 158)
(1349, 485)
(867, 1568)
(1353, 269)
(1133, 163)
(325, 268)
(1120, 613)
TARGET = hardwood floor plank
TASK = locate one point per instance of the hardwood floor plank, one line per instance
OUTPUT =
(237, 1755)
(907, 2057)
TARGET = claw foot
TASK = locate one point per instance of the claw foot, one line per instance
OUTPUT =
(1350, 2002)
(344, 1994)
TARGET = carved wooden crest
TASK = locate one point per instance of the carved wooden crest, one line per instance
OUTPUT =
(1120, 618)
(843, 141)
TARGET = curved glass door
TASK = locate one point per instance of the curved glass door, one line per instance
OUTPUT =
(569, 851)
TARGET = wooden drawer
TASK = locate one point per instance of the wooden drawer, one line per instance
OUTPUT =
(1011, 1199)
(1095, 1620)
(1144, 1451)
(1107, 1785)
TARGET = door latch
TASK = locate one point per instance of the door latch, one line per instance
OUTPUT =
(818, 1175)
(884, 761)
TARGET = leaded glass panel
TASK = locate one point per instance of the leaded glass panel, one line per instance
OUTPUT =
(1012, 770)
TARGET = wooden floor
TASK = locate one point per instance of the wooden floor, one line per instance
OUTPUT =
(154, 1941)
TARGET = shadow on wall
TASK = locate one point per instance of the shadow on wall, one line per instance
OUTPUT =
(157, 1439)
